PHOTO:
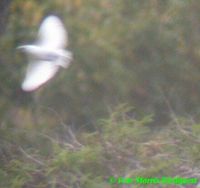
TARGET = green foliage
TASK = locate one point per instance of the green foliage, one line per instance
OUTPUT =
(124, 52)
(122, 146)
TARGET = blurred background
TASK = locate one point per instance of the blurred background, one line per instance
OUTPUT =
(127, 106)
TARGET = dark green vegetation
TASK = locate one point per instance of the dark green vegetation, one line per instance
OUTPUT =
(79, 129)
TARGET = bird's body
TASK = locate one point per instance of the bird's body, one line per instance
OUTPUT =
(47, 55)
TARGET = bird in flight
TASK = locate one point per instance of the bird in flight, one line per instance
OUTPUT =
(47, 54)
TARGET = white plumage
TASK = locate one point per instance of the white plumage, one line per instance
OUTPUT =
(47, 55)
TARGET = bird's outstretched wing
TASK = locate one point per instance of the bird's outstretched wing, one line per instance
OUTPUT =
(47, 55)
(52, 33)
(37, 74)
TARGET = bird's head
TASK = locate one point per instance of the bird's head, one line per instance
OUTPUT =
(24, 48)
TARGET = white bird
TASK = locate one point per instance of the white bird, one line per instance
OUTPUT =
(47, 55)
